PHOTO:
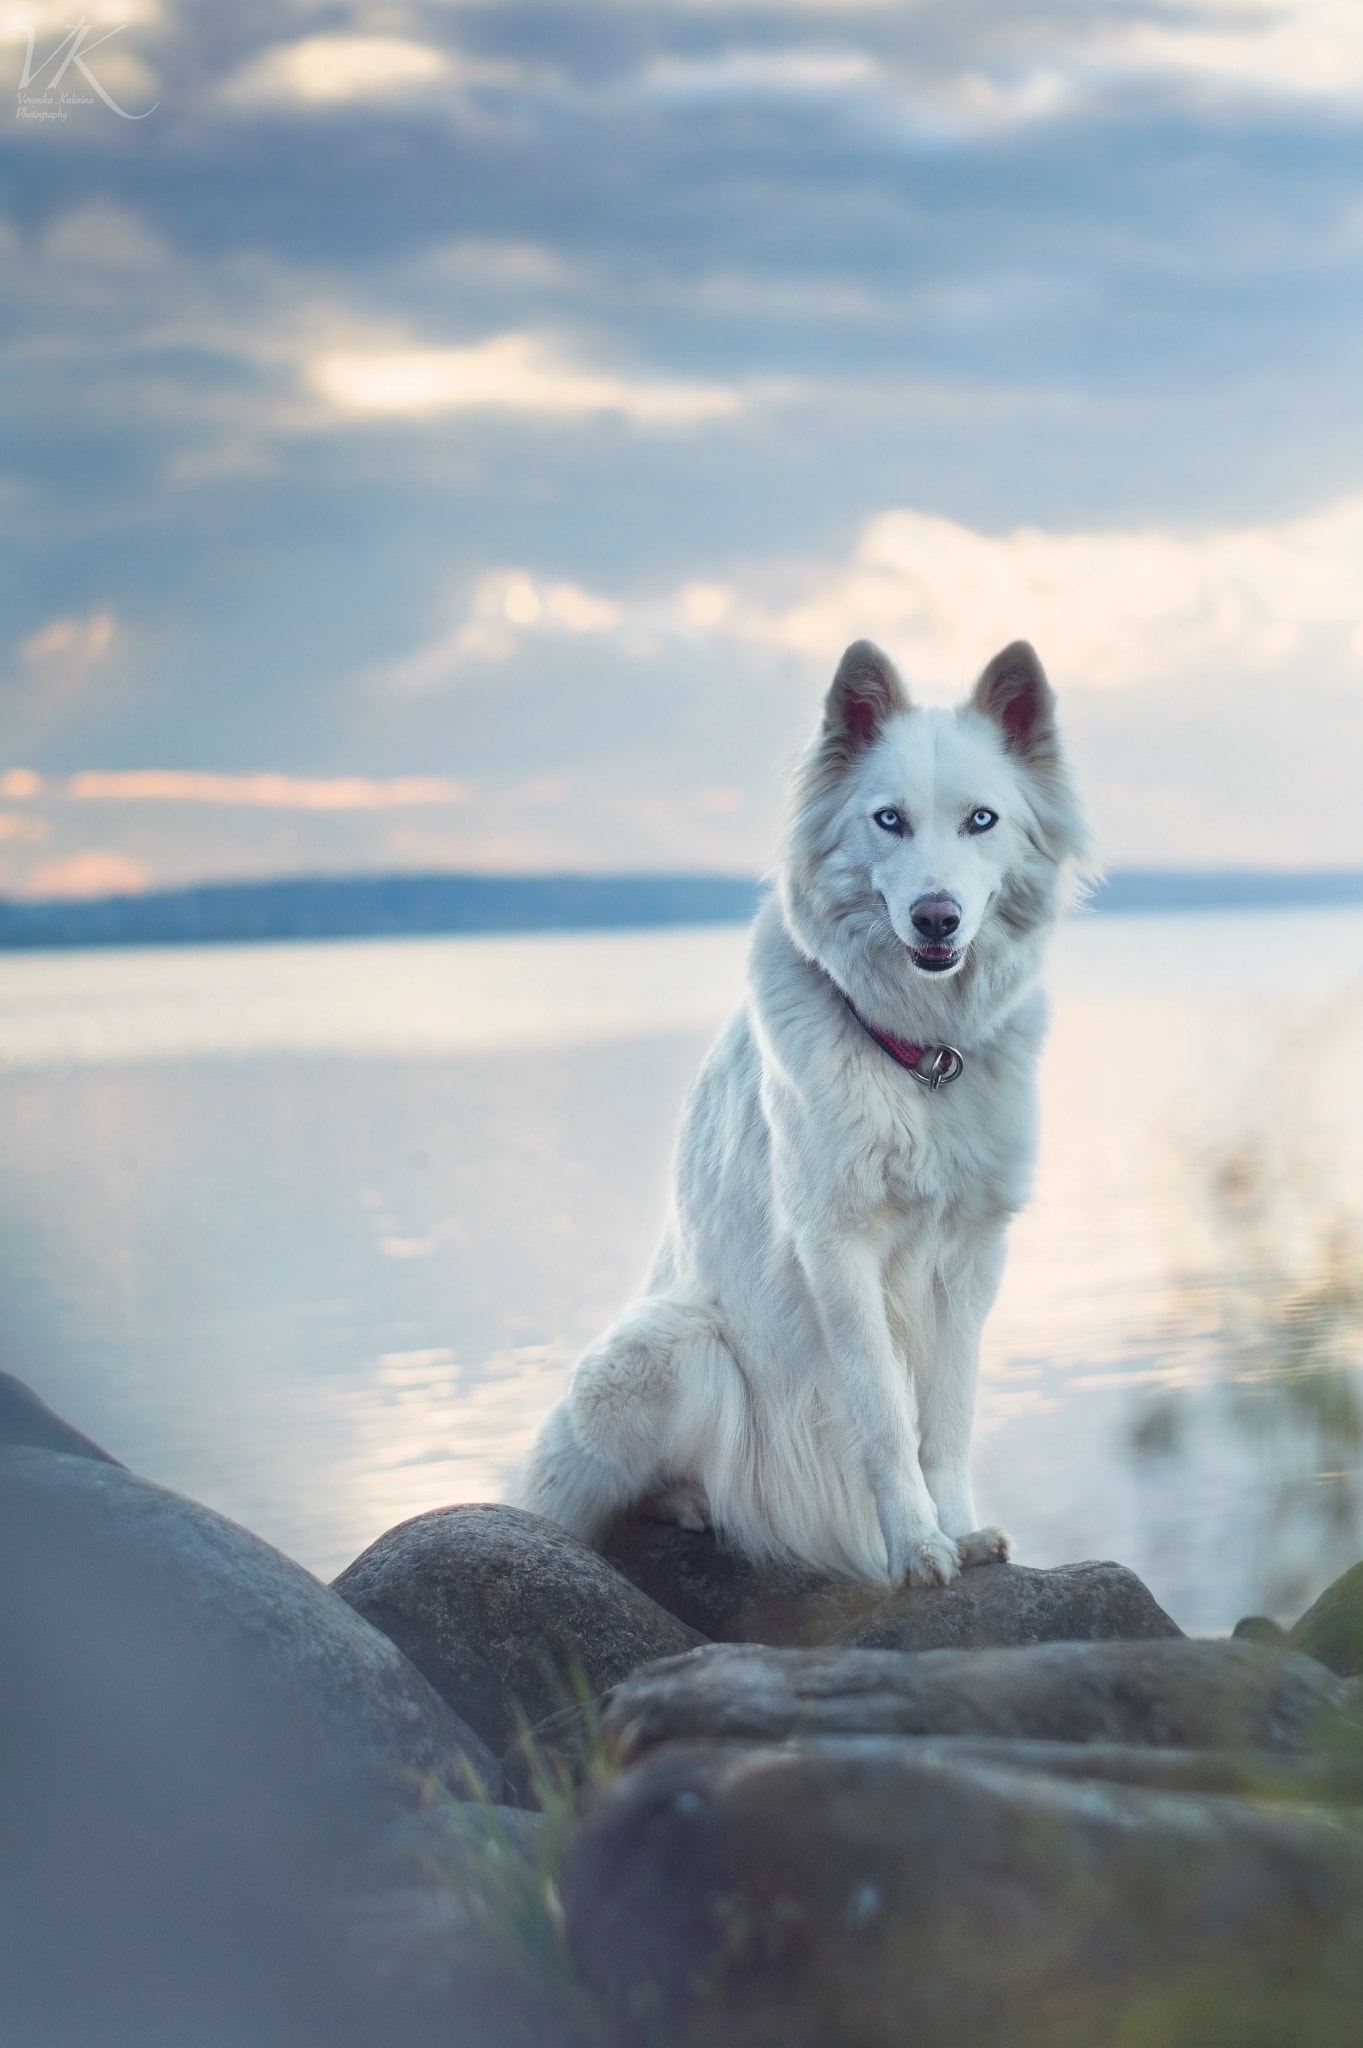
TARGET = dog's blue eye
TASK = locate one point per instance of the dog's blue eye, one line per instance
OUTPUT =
(889, 821)
(981, 820)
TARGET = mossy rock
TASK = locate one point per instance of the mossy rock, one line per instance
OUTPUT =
(1332, 1630)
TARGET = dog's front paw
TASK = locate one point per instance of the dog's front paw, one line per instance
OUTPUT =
(985, 1546)
(928, 1561)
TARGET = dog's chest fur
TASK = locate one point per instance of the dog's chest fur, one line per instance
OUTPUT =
(889, 1159)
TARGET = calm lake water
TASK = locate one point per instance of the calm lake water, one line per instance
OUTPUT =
(314, 1232)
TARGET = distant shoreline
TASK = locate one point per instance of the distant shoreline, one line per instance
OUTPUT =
(412, 906)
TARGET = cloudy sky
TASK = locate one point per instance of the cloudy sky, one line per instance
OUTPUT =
(448, 435)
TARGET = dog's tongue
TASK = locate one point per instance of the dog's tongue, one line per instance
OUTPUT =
(935, 952)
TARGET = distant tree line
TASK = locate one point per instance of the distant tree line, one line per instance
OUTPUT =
(374, 906)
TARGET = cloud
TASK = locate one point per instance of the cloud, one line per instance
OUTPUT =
(46, 17)
(1310, 47)
(61, 656)
(984, 69)
(1232, 50)
(750, 74)
(518, 373)
(106, 234)
(266, 791)
(789, 7)
(358, 368)
(1107, 609)
(89, 874)
(64, 641)
(507, 603)
(14, 825)
(333, 70)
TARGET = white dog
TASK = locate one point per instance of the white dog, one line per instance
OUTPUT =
(801, 1371)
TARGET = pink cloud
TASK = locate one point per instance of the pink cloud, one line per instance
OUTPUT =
(271, 792)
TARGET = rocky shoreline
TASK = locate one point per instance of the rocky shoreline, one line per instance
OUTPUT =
(492, 1787)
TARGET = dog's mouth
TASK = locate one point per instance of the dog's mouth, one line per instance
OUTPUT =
(936, 959)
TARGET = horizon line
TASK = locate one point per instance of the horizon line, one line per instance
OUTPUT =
(450, 903)
(1225, 872)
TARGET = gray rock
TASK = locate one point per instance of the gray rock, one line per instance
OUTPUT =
(1179, 1695)
(508, 1616)
(562, 1750)
(195, 1737)
(1005, 1606)
(456, 1918)
(865, 1893)
(436, 1878)
(24, 1419)
(1260, 1628)
(453, 1832)
(1332, 1630)
(788, 1604)
(1257, 1774)
(556, 1752)
(434, 1881)
(725, 1595)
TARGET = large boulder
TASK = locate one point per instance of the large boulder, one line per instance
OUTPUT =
(196, 1739)
(788, 1604)
(1332, 1630)
(1180, 1695)
(509, 1617)
(864, 1893)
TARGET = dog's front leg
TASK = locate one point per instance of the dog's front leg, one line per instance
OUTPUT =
(845, 1280)
(945, 1391)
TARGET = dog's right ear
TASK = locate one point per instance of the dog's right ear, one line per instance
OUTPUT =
(862, 695)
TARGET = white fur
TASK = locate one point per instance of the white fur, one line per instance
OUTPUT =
(800, 1371)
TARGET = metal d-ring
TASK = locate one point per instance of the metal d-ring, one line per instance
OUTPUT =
(939, 1064)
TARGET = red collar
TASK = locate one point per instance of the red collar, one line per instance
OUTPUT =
(931, 1065)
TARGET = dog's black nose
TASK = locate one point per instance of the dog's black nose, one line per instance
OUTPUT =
(936, 917)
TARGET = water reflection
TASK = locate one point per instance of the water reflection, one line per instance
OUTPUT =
(1281, 1310)
(423, 1426)
(277, 1283)
(314, 1232)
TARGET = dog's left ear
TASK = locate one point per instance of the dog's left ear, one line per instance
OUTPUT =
(1014, 693)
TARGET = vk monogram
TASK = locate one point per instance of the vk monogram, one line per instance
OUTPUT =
(73, 51)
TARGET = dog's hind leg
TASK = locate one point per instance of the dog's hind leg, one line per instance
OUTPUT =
(566, 1480)
(618, 1436)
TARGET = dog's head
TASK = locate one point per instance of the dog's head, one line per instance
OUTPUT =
(928, 845)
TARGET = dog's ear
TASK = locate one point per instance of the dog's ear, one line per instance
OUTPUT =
(1014, 693)
(862, 695)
